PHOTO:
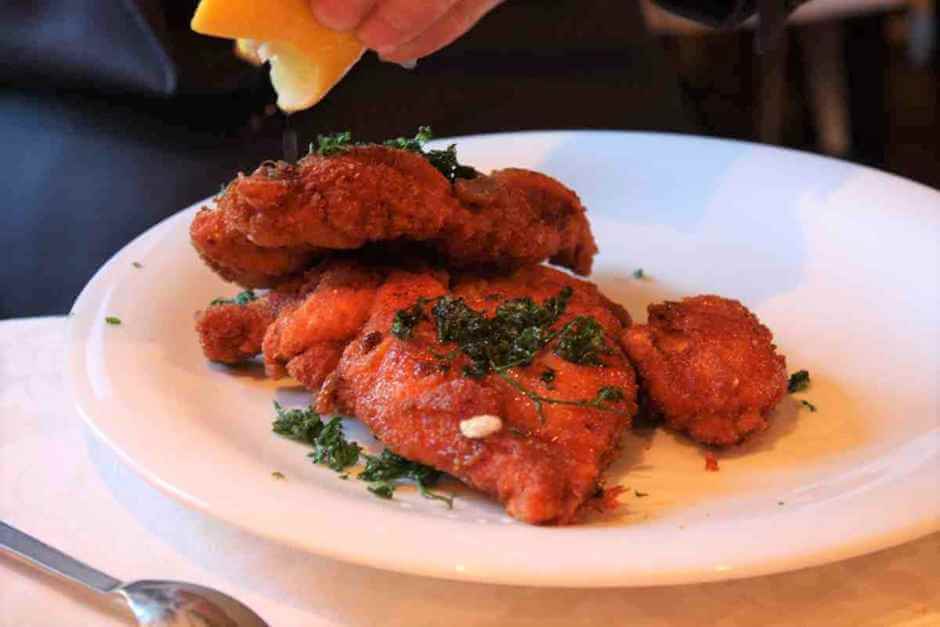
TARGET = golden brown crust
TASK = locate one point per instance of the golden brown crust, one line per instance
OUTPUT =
(344, 201)
(709, 367)
(522, 217)
(277, 220)
(231, 333)
(308, 338)
(235, 258)
(413, 400)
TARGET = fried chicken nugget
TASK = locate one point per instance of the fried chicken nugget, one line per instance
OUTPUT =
(709, 367)
(230, 333)
(414, 394)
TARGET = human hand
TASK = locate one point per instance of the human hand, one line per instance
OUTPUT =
(402, 30)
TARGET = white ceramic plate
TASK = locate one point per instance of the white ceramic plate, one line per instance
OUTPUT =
(841, 262)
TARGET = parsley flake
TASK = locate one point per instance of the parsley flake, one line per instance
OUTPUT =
(332, 449)
(303, 425)
(639, 274)
(384, 469)
(277, 474)
(405, 320)
(808, 405)
(137, 264)
(444, 161)
(799, 381)
(112, 320)
(328, 145)
(242, 298)
(582, 341)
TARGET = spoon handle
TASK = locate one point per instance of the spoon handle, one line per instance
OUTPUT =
(53, 560)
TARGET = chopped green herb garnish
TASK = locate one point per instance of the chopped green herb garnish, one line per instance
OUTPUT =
(582, 341)
(112, 320)
(445, 161)
(328, 145)
(242, 298)
(405, 320)
(413, 144)
(382, 489)
(328, 441)
(808, 405)
(384, 469)
(137, 264)
(639, 494)
(548, 376)
(277, 474)
(799, 381)
(600, 401)
(639, 274)
(332, 449)
(512, 337)
(609, 394)
(303, 425)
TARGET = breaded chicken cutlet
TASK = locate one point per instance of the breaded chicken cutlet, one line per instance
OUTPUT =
(270, 225)
(708, 367)
(417, 353)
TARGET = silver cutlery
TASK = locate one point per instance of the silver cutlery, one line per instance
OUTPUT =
(154, 603)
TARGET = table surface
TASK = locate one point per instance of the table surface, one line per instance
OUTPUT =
(60, 484)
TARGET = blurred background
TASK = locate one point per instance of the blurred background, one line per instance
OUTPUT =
(115, 115)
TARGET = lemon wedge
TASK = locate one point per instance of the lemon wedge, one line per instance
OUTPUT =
(306, 59)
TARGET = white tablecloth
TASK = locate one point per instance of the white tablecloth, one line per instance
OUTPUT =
(59, 484)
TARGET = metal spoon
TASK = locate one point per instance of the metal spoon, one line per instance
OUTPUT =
(154, 603)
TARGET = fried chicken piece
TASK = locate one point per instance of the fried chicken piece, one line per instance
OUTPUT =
(414, 393)
(709, 367)
(307, 339)
(376, 194)
(364, 194)
(235, 258)
(230, 333)
(522, 215)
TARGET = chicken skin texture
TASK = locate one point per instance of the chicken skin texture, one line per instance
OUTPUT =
(235, 258)
(277, 220)
(230, 333)
(708, 367)
(413, 393)
(307, 340)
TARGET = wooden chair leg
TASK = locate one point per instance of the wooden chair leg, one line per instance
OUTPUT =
(772, 81)
(822, 46)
